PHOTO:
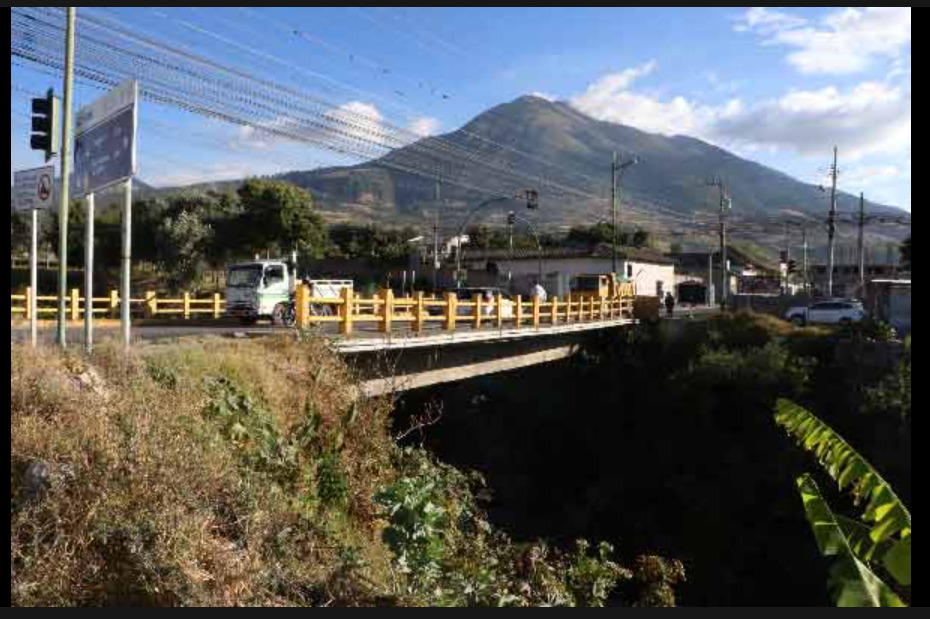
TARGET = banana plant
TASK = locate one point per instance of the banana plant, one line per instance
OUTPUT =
(882, 535)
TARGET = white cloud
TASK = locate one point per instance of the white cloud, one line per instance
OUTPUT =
(611, 99)
(847, 41)
(764, 19)
(872, 118)
(425, 127)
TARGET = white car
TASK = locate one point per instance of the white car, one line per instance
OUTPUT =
(828, 313)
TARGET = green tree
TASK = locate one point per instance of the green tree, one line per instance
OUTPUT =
(279, 217)
(183, 241)
(19, 232)
(641, 238)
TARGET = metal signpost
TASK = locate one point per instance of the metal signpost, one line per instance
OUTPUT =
(104, 157)
(34, 191)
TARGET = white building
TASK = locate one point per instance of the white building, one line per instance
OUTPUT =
(651, 271)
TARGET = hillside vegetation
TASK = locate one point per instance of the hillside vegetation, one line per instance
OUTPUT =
(246, 474)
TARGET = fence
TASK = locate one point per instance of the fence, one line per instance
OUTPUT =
(449, 312)
(151, 306)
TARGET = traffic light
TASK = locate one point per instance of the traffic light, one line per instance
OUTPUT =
(784, 257)
(532, 200)
(512, 219)
(46, 130)
(792, 267)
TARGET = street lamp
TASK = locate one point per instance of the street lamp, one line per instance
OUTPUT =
(531, 197)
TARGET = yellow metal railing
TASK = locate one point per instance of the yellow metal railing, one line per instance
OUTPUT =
(151, 306)
(416, 312)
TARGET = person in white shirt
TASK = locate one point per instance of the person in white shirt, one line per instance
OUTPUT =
(539, 291)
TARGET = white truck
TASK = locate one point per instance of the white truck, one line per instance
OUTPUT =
(264, 290)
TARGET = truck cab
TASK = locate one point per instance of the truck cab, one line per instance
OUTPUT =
(601, 287)
(258, 290)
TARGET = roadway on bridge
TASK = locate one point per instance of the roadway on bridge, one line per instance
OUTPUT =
(366, 337)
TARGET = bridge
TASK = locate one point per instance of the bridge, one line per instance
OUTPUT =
(398, 343)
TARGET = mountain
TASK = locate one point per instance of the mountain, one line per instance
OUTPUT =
(552, 140)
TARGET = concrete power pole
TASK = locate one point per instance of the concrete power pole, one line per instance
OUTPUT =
(831, 222)
(726, 205)
(613, 211)
(437, 261)
(862, 244)
(807, 267)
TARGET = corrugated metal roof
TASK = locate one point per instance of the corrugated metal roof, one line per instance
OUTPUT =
(602, 252)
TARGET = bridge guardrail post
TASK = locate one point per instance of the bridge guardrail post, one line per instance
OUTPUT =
(28, 312)
(387, 297)
(302, 302)
(151, 304)
(113, 312)
(75, 305)
(451, 311)
(217, 306)
(537, 311)
(420, 318)
(346, 311)
(555, 311)
(518, 313)
(187, 306)
(478, 300)
(500, 311)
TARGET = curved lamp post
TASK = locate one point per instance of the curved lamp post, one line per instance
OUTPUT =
(532, 203)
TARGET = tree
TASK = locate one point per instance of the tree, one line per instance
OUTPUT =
(641, 238)
(906, 254)
(19, 232)
(279, 217)
(183, 242)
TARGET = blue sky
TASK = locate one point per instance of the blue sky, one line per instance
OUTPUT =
(778, 85)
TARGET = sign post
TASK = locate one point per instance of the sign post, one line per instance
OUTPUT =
(105, 157)
(34, 191)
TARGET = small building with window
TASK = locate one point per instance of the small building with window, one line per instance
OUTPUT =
(651, 270)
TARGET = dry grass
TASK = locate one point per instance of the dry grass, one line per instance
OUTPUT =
(147, 502)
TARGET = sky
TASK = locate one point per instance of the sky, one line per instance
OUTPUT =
(781, 86)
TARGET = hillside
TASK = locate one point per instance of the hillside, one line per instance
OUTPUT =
(556, 142)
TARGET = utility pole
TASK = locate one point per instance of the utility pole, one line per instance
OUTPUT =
(787, 257)
(726, 205)
(613, 210)
(65, 193)
(862, 244)
(437, 262)
(807, 267)
(616, 173)
(831, 222)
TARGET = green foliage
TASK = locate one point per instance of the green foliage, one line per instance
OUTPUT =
(853, 583)
(19, 232)
(873, 331)
(251, 429)
(886, 518)
(893, 396)
(184, 241)
(371, 242)
(591, 579)
(280, 217)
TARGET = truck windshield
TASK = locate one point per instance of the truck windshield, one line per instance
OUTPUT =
(245, 277)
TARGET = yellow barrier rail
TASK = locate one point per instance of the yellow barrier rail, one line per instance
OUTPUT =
(151, 306)
(417, 312)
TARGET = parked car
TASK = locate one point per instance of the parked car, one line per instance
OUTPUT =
(828, 313)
